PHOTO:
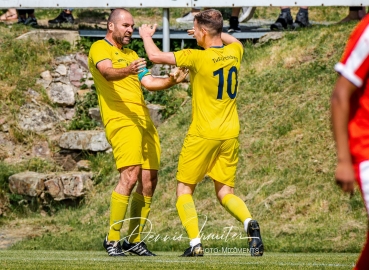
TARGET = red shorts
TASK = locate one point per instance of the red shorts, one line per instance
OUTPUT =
(362, 178)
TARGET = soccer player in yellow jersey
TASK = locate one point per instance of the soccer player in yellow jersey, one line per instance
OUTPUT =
(118, 74)
(211, 145)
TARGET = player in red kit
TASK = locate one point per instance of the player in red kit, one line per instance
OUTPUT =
(350, 119)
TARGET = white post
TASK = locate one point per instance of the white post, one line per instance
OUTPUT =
(166, 31)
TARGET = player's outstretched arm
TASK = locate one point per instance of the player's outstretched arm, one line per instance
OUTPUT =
(155, 84)
(153, 52)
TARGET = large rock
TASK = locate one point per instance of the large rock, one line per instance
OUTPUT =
(92, 140)
(62, 94)
(27, 183)
(37, 118)
(38, 35)
(68, 185)
(60, 186)
(269, 36)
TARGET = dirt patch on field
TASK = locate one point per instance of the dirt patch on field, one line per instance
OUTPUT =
(18, 230)
(9, 237)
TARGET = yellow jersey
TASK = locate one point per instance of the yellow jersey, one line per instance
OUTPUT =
(214, 81)
(120, 98)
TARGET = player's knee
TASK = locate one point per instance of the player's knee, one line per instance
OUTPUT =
(128, 182)
(128, 185)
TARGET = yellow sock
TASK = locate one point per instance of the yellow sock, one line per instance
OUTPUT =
(140, 207)
(187, 213)
(118, 208)
(236, 207)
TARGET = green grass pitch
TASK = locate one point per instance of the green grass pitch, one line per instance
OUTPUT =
(23, 259)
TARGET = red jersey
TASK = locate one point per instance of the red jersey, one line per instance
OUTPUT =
(354, 66)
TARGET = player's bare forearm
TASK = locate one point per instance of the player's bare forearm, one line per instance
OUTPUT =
(113, 74)
(340, 109)
(157, 84)
(153, 52)
(228, 39)
(146, 32)
(154, 84)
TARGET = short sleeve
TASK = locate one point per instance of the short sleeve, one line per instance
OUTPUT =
(186, 58)
(354, 64)
(99, 52)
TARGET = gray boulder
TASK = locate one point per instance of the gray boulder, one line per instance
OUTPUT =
(68, 185)
(27, 183)
(37, 118)
(92, 140)
(62, 94)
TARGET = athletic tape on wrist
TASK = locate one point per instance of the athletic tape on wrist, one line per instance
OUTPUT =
(142, 73)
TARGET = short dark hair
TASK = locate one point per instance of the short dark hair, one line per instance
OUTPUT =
(115, 13)
(212, 19)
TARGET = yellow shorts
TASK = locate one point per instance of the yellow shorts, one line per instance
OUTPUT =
(216, 158)
(134, 142)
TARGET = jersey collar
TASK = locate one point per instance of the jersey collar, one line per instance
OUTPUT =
(108, 41)
(112, 44)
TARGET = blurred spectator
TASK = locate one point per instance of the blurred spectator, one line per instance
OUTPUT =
(64, 17)
(355, 14)
(9, 16)
(27, 17)
(188, 17)
(247, 13)
(285, 20)
(236, 17)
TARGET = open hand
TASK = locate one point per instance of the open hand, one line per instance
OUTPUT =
(147, 30)
(179, 74)
(137, 65)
